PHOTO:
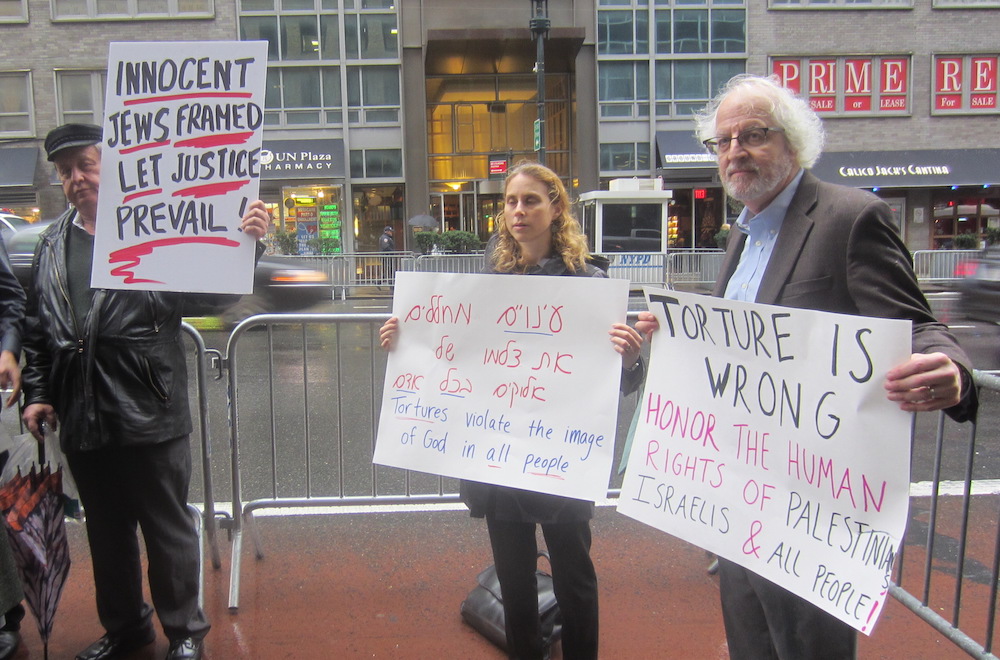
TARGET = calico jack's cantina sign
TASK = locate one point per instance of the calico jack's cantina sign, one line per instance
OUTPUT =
(939, 167)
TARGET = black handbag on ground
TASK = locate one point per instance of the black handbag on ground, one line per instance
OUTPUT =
(483, 607)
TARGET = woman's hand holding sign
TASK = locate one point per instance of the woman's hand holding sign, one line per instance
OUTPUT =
(628, 342)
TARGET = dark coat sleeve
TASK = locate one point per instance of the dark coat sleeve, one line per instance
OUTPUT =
(838, 251)
(12, 304)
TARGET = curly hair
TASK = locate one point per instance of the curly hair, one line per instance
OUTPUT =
(803, 128)
(568, 242)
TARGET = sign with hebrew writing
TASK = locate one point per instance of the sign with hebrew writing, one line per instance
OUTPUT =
(765, 436)
(180, 160)
(504, 379)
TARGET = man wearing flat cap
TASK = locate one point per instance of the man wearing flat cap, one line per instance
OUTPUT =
(109, 366)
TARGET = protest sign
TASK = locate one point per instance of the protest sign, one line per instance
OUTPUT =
(765, 436)
(183, 128)
(505, 380)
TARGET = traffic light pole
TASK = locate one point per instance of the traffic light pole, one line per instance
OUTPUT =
(539, 29)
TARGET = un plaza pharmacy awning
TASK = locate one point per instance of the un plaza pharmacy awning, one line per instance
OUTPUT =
(302, 159)
(906, 169)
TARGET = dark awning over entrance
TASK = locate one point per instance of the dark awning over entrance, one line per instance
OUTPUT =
(17, 166)
(680, 157)
(302, 159)
(898, 169)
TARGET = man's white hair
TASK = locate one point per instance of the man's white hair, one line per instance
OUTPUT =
(802, 126)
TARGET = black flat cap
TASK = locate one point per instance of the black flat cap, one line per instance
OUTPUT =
(71, 135)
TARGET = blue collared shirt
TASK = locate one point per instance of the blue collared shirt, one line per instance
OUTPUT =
(762, 233)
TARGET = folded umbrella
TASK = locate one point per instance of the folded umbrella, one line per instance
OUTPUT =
(33, 508)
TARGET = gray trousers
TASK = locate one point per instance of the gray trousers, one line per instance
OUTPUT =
(121, 488)
(767, 622)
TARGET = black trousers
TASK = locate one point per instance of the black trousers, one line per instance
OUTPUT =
(121, 488)
(767, 622)
(574, 580)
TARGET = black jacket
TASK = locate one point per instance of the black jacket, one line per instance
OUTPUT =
(517, 505)
(117, 377)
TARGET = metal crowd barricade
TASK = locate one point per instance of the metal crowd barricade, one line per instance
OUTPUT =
(356, 270)
(309, 443)
(205, 520)
(693, 267)
(445, 263)
(956, 537)
(639, 268)
(940, 266)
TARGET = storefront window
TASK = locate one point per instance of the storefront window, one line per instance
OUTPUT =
(310, 221)
(964, 212)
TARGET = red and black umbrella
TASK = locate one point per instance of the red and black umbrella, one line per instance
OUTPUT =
(33, 507)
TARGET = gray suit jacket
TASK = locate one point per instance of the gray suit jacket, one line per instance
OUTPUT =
(838, 251)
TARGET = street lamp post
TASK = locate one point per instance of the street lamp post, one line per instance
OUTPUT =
(539, 29)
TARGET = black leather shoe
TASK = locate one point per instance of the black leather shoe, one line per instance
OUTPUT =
(188, 648)
(9, 641)
(114, 646)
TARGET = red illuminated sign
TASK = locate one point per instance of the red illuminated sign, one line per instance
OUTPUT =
(699, 193)
(498, 166)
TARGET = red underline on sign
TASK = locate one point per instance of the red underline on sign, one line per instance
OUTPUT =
(210, 189)
(414, 419)
(133, 254)
(215, 140)
(542, 474)
(495, 466)
(142, 193)
(148, 145)
(190, 95)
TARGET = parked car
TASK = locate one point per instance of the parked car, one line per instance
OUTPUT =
(979, 288)
(279, 283)
(9, 224)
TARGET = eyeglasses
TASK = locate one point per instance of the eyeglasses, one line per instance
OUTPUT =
(752, 137)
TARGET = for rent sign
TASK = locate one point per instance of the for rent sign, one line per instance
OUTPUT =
(764, 435)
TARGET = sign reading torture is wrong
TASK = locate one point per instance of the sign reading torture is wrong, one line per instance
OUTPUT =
(765, 436)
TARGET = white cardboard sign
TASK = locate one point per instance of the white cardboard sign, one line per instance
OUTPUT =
(505, 380)
(183, 126)
(765, 436)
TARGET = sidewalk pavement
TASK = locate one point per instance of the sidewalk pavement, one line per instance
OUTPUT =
(389, 585)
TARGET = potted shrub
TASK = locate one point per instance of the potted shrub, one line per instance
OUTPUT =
(722, 237)
(286, 242)
(966, 242)
(325, 245)
(993, 236)
(426, 240)
(460, 242)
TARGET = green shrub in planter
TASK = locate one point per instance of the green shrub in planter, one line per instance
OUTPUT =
(722, 237)
(325, 245)
(966, 242)
(993, 236)
(426, 240)
(460, 242)
(286, 242)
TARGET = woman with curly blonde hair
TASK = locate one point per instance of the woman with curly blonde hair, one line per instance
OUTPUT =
(537, 235)
(567, 240)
